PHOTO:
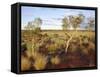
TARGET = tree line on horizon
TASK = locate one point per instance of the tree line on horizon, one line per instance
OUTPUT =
(68, 22)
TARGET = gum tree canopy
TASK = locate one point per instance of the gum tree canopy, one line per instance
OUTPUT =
(75, 21)
(65, 23)
(34, 24)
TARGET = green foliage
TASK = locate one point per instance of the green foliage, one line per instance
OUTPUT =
(37, 22)
(76, 20)
(37, 30)
(52, 48)
(65, 23)
(91, 23)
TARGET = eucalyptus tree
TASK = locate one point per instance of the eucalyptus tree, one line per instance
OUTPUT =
(75, 21)
(91, 23)
(37, 22)
(28, 26)
(65, 23)
(33, 28)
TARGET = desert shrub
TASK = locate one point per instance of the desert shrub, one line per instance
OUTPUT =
(35, 54)
(52, 48)
(58, 42)
(37, 30)
(74, 45)
(25, 63)
(92, 39)
(28, 54)
(43, 49)
(45, 35)
(47, 40)
(23, 48)
(40, 62)
(55, 60)
(55, 35)
(88, 49)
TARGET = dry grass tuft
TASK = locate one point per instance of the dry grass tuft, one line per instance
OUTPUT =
(25, 63)
(40, 62)
(55, 60)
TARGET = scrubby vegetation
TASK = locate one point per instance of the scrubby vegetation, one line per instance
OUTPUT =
(54, 50)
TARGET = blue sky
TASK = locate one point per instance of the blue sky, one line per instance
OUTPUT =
(51, 17)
